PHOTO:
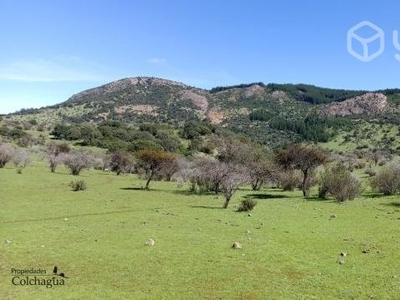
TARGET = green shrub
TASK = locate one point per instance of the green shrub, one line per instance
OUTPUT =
(387, 181)
(247, 205)
(78, 185)
(340, 184)
(370, 172)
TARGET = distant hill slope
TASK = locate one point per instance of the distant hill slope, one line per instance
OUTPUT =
(270, 113)
(164, 100)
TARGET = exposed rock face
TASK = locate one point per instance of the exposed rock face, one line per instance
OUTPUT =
(215, 116)
(253, 90)
(199, 100)
(279, 96)
(369, 104)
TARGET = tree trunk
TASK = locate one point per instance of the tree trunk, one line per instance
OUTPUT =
(259, 185)
(147, 184)
(216, 188)
(256, 185)
(225, 206)
(304, 187)
(192, 186)
(151, 174)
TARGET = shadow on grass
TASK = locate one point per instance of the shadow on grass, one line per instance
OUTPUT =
(264, 196)
(393, 203)
(189, 193)
(134, 189)
(316, 198)
(206, 207)
(374, 195)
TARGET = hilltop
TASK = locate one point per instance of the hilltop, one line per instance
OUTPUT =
(272, 114)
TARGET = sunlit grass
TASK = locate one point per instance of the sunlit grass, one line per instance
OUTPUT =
(97, 238)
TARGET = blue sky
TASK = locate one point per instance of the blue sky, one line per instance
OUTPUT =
(51, 49)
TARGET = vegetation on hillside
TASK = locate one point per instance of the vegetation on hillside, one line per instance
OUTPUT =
(274, 115)
(268, 152)
(313, 94)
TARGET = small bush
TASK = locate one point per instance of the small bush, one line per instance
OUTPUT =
(387, 181)
(359, 164)
(77, 161)
(370, 172)
(78, 185)
(382, 162)
(289, 180)
(7, 152)
(247, 205)
(340, 184)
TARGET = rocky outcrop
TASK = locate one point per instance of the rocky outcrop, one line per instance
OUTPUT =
(254, 90)
(366, 104)
(199, 100)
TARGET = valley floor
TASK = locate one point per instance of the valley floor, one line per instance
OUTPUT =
(290, 246)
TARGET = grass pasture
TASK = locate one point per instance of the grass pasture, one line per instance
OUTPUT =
(97, 237)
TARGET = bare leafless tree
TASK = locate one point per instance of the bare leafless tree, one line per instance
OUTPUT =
(236, 151)
(233, 176)
(289, 179)
(55, 153)
(102, 162)
(77, 161)
(260, 172)
(121, 162)
(170, 167)
(205, 174)
(209, 174)
(7, 153)
(21, 159)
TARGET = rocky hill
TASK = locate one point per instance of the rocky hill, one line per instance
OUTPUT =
(165, 100)
(371, 104)
(271, 114)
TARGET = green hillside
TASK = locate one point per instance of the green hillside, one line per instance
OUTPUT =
(271, 114)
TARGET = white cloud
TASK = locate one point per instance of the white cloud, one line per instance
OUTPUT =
(55, 70)
(157, 61)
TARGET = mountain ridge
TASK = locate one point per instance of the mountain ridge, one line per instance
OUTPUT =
(145, 95)
(269, 113)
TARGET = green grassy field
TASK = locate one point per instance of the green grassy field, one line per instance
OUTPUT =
(97, 237)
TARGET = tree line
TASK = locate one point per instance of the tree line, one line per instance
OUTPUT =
(311, 128)
(230, 163)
